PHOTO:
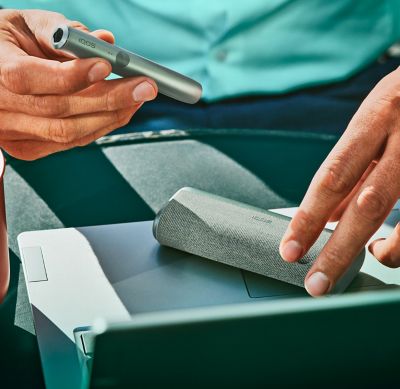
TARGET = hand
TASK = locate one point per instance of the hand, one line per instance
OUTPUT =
(51, 101)
(357, 184)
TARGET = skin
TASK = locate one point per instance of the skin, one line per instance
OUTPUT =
(358, 184)
(51, 101)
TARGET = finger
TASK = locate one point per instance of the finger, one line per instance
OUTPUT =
(126, 116)
(28, 75)
(334, 180)
(105, 35)
(13, 126)
(14, 135)
(33, 149)
(361, 219)
(387, 251)
(42, 25)
(65, 130)
(338, 212)
(110, 95)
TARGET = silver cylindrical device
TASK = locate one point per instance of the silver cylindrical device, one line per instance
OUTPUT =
(127, 64)
(237, 234)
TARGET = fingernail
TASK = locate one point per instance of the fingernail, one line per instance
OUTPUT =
(98, 72)
(291, 251)
(144, 92)
(317, 284)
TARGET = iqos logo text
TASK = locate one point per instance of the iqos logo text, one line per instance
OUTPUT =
(86, 43)
(261, 219)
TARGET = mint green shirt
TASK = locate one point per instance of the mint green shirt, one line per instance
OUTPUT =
(244, 47)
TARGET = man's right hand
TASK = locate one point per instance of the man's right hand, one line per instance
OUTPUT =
(51, 101)
(358, 184)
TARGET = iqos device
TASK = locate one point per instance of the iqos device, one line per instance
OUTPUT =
(237, 234)
(127, 64)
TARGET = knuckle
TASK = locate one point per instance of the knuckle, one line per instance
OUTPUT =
(337, 178)
(12, 77)
(373, 204)
(50, 107)
(62, 107)
(110, 101)
(62, 131)
(41, 105)
(62, 82)
(383, 103)
(66, 79)
(334, 259)
(387, 103)
(384, 110)
(303, 222)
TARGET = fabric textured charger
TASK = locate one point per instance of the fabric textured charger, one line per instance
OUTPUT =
(236, 234)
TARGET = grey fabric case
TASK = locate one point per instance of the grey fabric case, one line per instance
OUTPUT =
(236, 234)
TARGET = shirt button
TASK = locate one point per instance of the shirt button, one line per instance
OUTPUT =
(221, 55)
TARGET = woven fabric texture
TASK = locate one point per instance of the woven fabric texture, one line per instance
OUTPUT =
(232, 233)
